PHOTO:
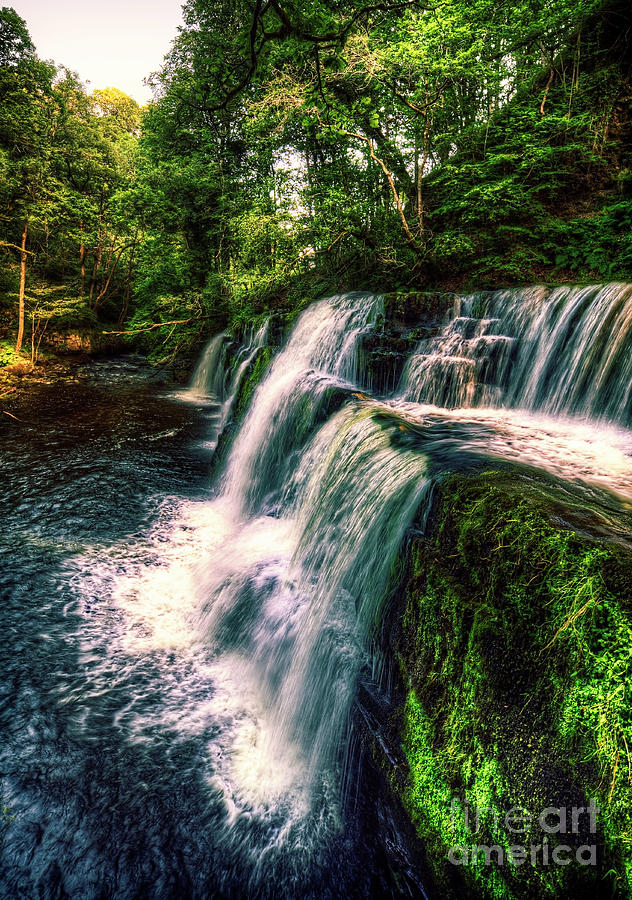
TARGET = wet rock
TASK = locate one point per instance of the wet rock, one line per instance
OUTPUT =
(512, 632)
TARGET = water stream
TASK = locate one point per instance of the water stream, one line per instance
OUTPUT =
(185, 653)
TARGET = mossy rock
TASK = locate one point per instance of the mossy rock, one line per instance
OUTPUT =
(515, 651)
(249, 384)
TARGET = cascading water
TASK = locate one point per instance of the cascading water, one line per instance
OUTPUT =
(230, 636)
(311, 511)
(214, 378)
(298, 619)
(561, 351)
(321, 356)
(209, 372)
(308, 621)
(271, 621)
(234, 374)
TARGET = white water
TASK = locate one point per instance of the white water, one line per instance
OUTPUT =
(257, 607)
(562, 351)
(208, 376)
(233, 377)
(321, 354)
(216, 380)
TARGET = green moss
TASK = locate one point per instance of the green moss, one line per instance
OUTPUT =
(516, 650)
(249, 384)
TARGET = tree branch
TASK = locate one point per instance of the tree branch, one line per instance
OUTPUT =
(340, 35)
(291, 28)
(16, 247)
(389, 177)
(546, 90)
(155, 325)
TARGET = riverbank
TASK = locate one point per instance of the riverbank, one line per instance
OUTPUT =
(21, 385)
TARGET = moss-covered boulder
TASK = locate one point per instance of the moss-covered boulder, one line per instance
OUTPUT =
(515, 659)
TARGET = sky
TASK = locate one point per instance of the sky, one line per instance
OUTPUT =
(112, 43)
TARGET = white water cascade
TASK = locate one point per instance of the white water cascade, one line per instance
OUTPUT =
(260, 610)
(321, 355)
(209, 373)
(561, 351)
(220, 372)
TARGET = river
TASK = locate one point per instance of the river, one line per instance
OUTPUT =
(182, 651)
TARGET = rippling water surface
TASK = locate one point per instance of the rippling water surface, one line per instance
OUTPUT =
(115, 715)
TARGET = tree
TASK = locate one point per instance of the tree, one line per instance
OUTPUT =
(67, 160)
(25, 86)
(348, 117)
(15, 42)
(299, 148)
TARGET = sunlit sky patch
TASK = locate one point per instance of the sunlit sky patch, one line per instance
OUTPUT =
(115, 44)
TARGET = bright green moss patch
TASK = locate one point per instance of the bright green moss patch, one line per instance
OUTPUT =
(516, 650)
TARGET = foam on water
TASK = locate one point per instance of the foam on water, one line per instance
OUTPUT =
(247, 618)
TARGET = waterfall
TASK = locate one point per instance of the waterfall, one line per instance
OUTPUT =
(219, 374)
(561, 351)
(208, 375)
(320, 494)
(348, 532)
(255, 339)
(321, 356)
(266, 597)
(308, 629)
(322, 483)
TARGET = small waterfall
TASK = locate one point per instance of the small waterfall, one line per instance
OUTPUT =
(575, 352)
(220, 372)
(319, 489)
(462, 366)
(349, 530)
(561, 351)
(320, 357)
(255, 340)
(208, 376)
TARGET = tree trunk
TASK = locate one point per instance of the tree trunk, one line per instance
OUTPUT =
(33, 338)
(130, 267)
(82, 261)
(99, 250)
(18, 343)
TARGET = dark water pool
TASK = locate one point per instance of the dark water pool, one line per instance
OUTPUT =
(104, 758)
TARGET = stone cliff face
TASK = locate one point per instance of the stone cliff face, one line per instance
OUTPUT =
(408, 318)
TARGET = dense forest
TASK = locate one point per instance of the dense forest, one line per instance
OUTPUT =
(295, 149)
